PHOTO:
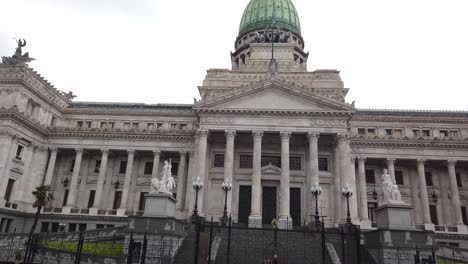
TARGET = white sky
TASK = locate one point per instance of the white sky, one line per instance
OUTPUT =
(403, 54)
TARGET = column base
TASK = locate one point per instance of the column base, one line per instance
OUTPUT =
(93, 211)
(121, 212)
(255, 221)
(285, 223)
(429, 227)
(365, 224)
(66, 209)
(463, 229)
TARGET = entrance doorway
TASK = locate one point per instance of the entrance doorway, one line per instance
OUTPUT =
(245, 194)
(268, 205)
(295, 205)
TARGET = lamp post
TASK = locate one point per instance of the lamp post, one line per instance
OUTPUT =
(197, 186)
(316, 190)
(347, 192)
(226, 186)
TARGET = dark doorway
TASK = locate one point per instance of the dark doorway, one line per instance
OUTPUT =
(295, 205)
(268, 205)
(245, 194)
(433, 213)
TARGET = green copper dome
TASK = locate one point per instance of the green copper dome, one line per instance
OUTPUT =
(258, 15)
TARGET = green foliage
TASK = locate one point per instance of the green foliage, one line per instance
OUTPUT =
(43, 195)
(108, 248)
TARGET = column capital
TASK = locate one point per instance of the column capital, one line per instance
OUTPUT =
(54, 149)
(313, 136)
(79, 150)
(285, 135)
(131, 151)
(183, 153)
(202, 132)
(353, 159)
(391, 160)
(230, 134)
(257, 134)
(451, 162)
(105, 151)
(157, 152)
(361, 159)
(342, 137)
(421, 161)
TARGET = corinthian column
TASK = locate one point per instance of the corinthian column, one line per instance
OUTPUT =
(229, 163)
(423, 194)
(313, 171)
(201, 160)
(101, 179)
(51, 167)
(71, 201)
(362, 189)
(255, 218)
(127, 181)
(456, 206)
(181, 179)
(348, 174)
(285, 220)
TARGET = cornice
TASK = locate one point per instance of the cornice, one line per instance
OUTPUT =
(463, 144)
(128, 112)
(187, 135)
(276, 112)
(15, 115)
(408, 116)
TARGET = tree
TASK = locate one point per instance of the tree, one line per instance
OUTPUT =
(43, 195)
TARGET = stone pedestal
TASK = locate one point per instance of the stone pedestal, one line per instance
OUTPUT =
(255, 221)
(159, 205)
(395, 216)
(285, 223)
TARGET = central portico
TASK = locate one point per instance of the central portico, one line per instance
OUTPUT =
(267, 138)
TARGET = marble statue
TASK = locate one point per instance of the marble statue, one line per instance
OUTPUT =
(391, 193)
(167, 182)
(18, 57)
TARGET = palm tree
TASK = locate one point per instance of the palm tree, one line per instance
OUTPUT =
(43, 195)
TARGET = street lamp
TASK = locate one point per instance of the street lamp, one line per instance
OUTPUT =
(316, 190)
(197, 186)
(226, 186)
(347, 192)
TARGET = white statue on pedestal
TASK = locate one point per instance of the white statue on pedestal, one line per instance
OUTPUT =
(391, 193)
(167, 182)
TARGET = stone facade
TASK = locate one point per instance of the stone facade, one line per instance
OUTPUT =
(269, 132)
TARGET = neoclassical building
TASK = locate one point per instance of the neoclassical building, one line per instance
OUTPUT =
(268, 124)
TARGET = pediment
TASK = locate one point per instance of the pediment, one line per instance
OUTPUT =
(274, 96)
(270, 169)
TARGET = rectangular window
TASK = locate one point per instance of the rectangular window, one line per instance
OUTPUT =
(361, 131)
(122, 167)
(88, 124)
(44, 227)
(135, 125)
(398, 132)
(273, 160)
(19, 152)
(9, 189)
(416, 133)
(65, 197)
(433, 213)
(92, 194)
(79, 123)
(97, 166)
(370, 176)
(175, 168)
(141, 203)
(82, 227)
(426, 133)
(295, 163)
(53, 121)
(72, 165)
(183, 127)
(459, 180)
(103, 125)
(371, 211)
(323, 164)
(148, 168)
(126, 125)
(371, 131)
(173, 126)
(159, 126)
(388, 132)
(454, 133)
(464, 216)
(2, 223)
(150, 126)
(71, 227)
(8, 225)
(117, 200)
(246, 161)
(443, 133)
(99, 226)
(429, 179)
(399, 178)
(218, 161)
(54, 227)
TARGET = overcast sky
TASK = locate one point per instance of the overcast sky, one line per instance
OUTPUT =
(399, 54)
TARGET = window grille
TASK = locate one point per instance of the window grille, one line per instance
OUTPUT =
(274, 160)
(245, 161)
(323, 164)
(218, 161)
(370, 176)
(295, 163)
(399, 178)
